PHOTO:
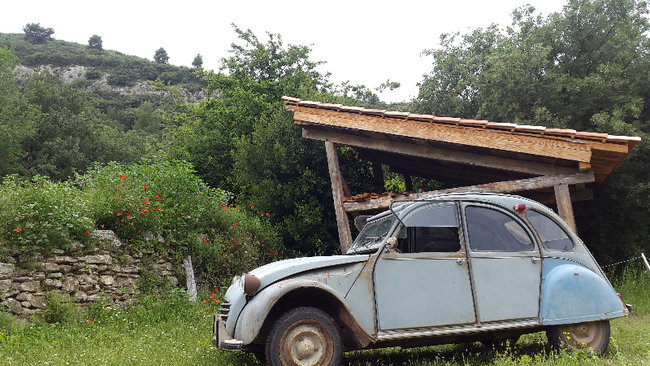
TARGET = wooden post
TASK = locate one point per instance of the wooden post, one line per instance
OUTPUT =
(345, 237)
(378, 176)
(408, 183)
(564, 206)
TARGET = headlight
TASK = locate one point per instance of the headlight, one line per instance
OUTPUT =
(251, 283)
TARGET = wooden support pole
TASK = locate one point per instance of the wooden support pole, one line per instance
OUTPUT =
(345, 237)
(564, 206)
(408, 183)
(378, 176)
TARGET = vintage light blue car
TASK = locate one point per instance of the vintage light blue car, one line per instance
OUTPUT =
(448, 269)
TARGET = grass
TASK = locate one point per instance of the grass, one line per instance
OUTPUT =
(163, 332)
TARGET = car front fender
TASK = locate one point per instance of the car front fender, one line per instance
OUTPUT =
(252, 317)
(572, 293)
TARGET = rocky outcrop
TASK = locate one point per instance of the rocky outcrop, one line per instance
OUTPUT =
(86, 277)
(71, 73)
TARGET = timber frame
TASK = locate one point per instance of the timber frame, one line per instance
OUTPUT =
(553, 166)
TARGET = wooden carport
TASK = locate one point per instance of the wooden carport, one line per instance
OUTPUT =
(550, 165)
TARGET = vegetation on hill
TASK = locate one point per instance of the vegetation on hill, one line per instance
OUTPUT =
(583, 68)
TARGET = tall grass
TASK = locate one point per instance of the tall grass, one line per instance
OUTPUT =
(169, 330)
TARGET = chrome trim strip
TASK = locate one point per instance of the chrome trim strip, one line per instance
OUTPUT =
(455, 330)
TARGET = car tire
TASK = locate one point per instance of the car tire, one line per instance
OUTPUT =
(592, 337)
(304, 336)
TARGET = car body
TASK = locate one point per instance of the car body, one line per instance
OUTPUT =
(445, 269)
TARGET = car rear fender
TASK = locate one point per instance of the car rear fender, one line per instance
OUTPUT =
(572, 293)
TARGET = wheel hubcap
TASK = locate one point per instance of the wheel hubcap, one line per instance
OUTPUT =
(306, 344)
(582, 336)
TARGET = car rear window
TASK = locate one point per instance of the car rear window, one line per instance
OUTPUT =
(492, 230)
(552, 235)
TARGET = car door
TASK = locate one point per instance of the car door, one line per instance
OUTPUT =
(425, 282)
(505, 264)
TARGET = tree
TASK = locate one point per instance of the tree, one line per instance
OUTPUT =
(585, 68)
(146, 119)
(95, 42)
(37, 34)
(198, 61)
(17, 117)
(161, 56)
(241, 139)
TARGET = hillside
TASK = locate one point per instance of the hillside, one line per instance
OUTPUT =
(113, 68)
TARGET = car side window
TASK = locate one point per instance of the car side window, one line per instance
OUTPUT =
(552, 235)
(431, 228)
(492, 230)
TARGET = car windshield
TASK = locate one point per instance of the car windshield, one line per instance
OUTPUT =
(373, 234)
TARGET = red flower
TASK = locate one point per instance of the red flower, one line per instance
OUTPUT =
(214, 289)
(267, 214)
(207, 309)
(252, 206)
(87, 233)
(146, 188)
(19, 230)
(122, 176)
(90, 321)
(206, 301)
(119, 186)
(204, 239)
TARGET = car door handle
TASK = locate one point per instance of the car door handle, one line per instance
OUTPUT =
(461, 260)
(534, 259)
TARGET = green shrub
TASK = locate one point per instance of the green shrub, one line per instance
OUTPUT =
(162, 197)
(93, 74)
(233, 241)
(39, 215)
(8, 323)
(59, 309)
(168, 199)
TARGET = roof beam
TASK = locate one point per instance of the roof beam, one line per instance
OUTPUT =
(527, 184)
(427, 151)
(481, 137)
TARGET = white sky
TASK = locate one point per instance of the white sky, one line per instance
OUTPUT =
(365, 42)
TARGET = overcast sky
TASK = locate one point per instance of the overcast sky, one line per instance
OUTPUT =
(365, 42)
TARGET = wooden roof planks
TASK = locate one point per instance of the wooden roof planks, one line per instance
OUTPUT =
(599, 151)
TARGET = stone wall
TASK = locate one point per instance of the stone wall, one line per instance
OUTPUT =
(85, 275)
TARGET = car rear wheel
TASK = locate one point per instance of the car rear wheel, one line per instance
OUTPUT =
(304, 336)
(592, 337)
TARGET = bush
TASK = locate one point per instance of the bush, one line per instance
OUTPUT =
(163, 197)
(168, 199)
(39, 215)
(59, 309)
(234, 241)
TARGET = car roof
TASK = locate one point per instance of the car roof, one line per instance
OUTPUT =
(500, 199)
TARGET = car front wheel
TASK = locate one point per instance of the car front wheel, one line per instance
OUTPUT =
(592, 337)
(304, 336)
